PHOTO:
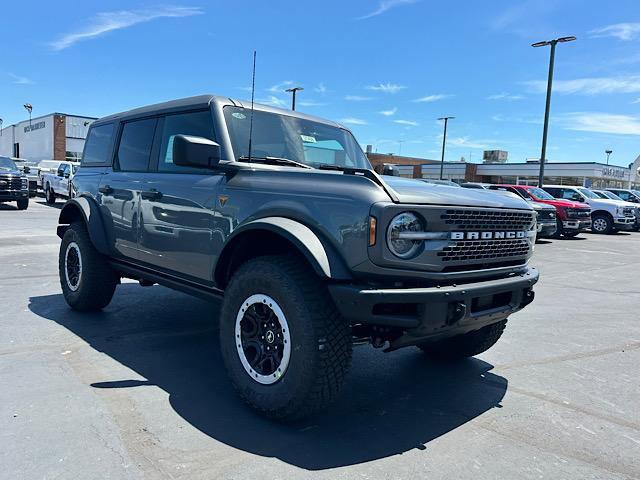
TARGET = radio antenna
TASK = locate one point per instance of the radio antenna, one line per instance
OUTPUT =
(253, 89)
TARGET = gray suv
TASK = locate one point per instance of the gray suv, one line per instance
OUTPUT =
(280, 215)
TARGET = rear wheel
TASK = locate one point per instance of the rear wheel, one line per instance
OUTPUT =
(23, 204)
(87, 280)
(602, 224)
(285, 347)
(466, 345)
(49, 195)
(570, 234)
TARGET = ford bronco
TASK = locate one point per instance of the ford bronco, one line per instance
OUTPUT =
(280, 215)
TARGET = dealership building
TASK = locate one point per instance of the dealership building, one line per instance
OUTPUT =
(57, 136)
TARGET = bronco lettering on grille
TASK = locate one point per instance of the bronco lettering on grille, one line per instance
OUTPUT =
(486, 235)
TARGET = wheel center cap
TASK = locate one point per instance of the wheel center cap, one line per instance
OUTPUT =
(270, 336)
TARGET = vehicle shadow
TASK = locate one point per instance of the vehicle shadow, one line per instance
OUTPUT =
(8, 206)
(392, 403)
(59, 204)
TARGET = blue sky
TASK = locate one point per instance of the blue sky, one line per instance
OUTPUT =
(386, 69)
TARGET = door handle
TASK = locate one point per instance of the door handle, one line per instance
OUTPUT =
(106, 189)
(152, 194)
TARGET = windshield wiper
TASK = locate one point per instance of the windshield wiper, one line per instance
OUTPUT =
(274, 161)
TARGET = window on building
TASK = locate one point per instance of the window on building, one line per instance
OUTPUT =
(73, 156)
(135, 145)
(198, 124)
(98, 145)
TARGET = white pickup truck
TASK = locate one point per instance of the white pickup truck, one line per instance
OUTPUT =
(58, 183)
(607, 216)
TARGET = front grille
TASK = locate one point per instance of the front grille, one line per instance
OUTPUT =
(487, 220)
(10, 182)
(547, 215)
(628, 212)
(484, 250)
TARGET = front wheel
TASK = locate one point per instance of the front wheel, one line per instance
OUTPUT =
(571, 234)
(602, 224)
(23, 204)
(49, 195)
(285, 347)
(466, 345)
(87, 280)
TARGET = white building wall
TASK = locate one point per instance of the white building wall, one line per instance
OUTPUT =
(35, 139)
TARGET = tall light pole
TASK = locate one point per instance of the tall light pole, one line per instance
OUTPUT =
(545, 130)
(293, 95)
(1, 121)
(28, 107)
(444, 142)
(608, 152)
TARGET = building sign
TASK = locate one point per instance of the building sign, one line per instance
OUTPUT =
(34, 126)
(613, 172)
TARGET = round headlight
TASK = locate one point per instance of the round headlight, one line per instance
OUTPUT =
(404, 223)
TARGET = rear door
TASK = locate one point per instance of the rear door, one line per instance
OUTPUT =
(178, 223)
(120, 186)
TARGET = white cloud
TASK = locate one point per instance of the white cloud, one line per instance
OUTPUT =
(505, 96)
(388, 113)
(637, 100)
(432, 98)
(273, 101)
(590, 86)
(18, 80)
(601, 123)
(385, 5)
(105, 22)
(310, 103)
(321, 88)
(622, 31)
(408, 123)
(280, 87)
(356, 98)
(468, 143)
(352, 121)
(386, 87)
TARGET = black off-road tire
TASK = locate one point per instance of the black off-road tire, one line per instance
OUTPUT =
(49, 195)
(571, 234)
(23, 204)
(466, 345)
(601, 219)
(97, 280)
(320, 338)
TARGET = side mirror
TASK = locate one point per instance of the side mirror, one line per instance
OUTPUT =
(190, 151)
(66, 175)
(26, 170)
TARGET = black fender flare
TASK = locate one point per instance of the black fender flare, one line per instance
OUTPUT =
(89, 211)
(323, 258)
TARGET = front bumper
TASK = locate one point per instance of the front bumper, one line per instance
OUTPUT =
(433, 312)
(546, 229)
(624, 223)
(576, 225)
(13, 195)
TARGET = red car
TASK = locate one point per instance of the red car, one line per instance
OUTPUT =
(573, 217)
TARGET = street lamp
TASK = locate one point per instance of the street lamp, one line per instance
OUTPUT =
(545, 130)
(293, 95)
(444, 141)
(28, 107)
(1, 121)
(608, 152)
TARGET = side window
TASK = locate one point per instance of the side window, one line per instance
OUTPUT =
(554, 192)
(198, 124)
(624, 196)
(523, 192)
(569, 194)
(135, 145)
(97, 147)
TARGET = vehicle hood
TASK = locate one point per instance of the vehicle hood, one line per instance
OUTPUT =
(541, 206)
(10, 171)
(414, 191)
(567, 203)
(601, 202)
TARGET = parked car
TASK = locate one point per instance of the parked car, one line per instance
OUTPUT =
(627, 195)
(306, 246)
(612, 196)
(14, 186)
(607, 216)
(547, 222)
(30, 169)
(571, 217)
(46, 166)
(58, 184)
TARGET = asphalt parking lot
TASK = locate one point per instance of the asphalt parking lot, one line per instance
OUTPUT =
(138, 391)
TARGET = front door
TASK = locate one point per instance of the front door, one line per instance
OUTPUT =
(178, 222)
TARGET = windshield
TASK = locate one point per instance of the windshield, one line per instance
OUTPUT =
(600, 194)
(611, 195)
(284, 136)
(539, 193)
(7, 164)
(588, 193)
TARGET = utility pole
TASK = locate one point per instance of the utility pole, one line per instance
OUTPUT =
(608, 152)
(545, 129)
(444, 142)
(293, 95)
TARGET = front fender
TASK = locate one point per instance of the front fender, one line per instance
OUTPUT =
(87, 210)
(325, 261)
